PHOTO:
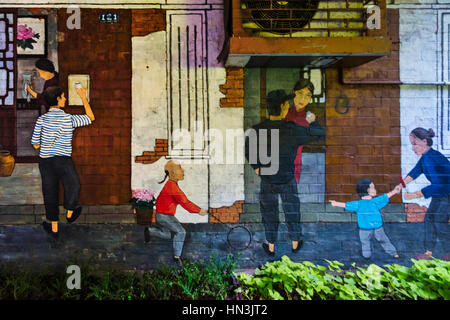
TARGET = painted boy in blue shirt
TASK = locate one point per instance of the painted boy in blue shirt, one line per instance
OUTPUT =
(368, 215)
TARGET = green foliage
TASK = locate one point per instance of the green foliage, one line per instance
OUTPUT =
(209, 279)
(284, 279)
(213, 279)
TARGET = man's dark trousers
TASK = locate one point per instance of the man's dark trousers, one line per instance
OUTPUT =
(53, 170)
(270, 208)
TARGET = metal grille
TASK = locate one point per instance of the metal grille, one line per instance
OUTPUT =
(7, 61)
(188, 81)
(305, 18)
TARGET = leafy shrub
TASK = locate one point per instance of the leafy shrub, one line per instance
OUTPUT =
(214, 279)
(209, 279)
(284, 279)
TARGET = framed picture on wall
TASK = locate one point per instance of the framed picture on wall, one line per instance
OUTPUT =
(32, 36)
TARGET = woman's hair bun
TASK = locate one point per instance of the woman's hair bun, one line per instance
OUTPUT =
(431, 133)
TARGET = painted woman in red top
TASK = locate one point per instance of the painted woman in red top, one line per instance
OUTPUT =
(303, 91)
(166, 203)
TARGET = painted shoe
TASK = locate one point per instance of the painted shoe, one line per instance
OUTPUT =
(422, 256)
(266, 249)
(146, 235)
(48, 229)
(299, 245)
(75, 214)
(178, 261)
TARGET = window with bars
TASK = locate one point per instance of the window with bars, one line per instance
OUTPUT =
(7, 60)
(187, 89)
(443, 119)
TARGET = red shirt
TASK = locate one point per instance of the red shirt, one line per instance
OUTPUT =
(299, 117)
(171, 196)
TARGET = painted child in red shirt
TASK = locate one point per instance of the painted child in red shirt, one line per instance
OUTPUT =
(166, 203)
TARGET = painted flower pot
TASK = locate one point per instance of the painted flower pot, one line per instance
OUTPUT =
(7, 163)
(143, 216)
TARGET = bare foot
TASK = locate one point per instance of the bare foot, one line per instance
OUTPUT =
(396, 256)
(294, 245)
(428, 253)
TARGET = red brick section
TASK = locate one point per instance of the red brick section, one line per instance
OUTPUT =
(414, 212)
(161, 150)
(382, 70)
(101, 151)
(147, 21)
(233, 89)
(226, 214)
(363, 143)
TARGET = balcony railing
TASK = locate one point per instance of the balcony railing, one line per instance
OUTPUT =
(305, 18)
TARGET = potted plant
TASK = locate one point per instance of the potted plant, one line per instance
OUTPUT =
(142, 202)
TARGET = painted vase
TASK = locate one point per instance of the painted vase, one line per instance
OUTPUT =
(143, 216)
(7, 163)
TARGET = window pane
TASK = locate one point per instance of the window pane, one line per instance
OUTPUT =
(3, 79)
(2, 35)
(9, 65)
(10, 18)
(11, 34)
(9, 100)
(11, 80)
(10, 52)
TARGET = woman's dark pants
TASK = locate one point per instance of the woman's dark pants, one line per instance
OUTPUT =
(436, 224)
(54, 170)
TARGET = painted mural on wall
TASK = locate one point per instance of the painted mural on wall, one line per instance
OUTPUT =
(216, 140)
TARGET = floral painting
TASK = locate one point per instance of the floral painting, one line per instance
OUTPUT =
(31, 36)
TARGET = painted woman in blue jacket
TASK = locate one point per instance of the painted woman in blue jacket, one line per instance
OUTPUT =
(436, 168)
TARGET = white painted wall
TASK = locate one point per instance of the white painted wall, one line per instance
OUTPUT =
(421, 65)
(150, 121)
(164, 4)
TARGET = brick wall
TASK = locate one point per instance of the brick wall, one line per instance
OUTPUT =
(226, 214)
(233, 89)
(101, 151)
(382, 70)
(161, 150)
(365, 142)
(144, 22)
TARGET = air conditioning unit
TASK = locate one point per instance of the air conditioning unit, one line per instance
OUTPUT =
(304, 18)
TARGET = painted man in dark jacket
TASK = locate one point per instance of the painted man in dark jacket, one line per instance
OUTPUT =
(275, 166)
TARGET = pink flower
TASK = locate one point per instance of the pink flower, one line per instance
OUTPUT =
(143, 195)
(24, 33)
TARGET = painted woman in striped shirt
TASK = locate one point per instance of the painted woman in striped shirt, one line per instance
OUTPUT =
(52, 135)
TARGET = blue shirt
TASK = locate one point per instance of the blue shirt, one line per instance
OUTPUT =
(436, 168)
(53, 131)
(368, 211)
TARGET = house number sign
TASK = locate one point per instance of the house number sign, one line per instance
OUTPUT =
(108, 17)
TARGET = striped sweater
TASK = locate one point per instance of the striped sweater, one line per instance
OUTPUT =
(54, 130)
